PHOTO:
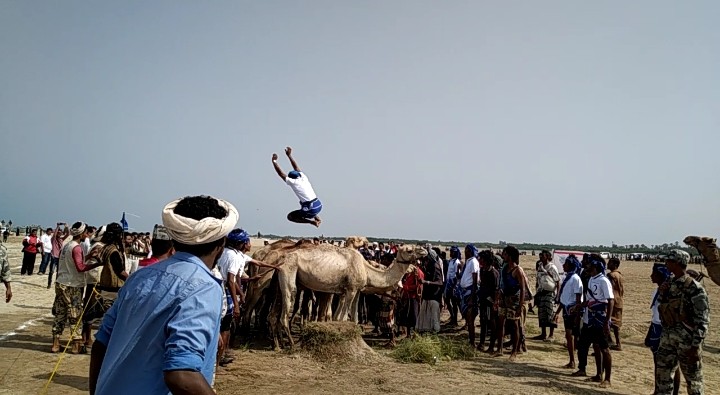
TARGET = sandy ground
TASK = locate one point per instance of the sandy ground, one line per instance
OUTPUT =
(26, 363)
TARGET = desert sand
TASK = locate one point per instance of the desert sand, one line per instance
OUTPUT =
(26, 363)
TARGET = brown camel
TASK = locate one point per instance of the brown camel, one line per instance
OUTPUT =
(255, 289)
(335, 270)
(356, 241)
(708, 248)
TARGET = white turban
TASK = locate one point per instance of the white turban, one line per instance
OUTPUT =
(192, 232)
(78, 231)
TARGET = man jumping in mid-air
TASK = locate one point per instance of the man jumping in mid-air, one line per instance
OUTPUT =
(310, 205)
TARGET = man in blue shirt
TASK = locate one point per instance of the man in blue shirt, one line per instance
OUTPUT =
(161, 334)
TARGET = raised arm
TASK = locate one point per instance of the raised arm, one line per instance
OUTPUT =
(288, 152)
(278, 170)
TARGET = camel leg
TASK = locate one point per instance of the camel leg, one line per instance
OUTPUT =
(308, 297)
(354, 307)
(288, 290)
(340, 309)
(274, 322)
(251, 300)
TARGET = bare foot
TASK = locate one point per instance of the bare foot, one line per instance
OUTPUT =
(595, 379)
(513, 357)
(498, 354)
(318, 221)
(605, 384)
(570, 365)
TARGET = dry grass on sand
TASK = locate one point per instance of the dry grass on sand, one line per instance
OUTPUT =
(25, 361)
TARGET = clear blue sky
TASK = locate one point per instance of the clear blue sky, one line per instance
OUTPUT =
(567, 122)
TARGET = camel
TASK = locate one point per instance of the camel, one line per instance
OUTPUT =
(356, 242)
(334, 270)
(708, 248)
(255, 289)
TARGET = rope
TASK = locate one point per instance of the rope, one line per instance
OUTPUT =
(62, 354)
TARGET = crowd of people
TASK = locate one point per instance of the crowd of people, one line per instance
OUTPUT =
(167, 301)
(588, 296)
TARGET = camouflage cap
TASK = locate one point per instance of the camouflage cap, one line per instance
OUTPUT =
(678, 256)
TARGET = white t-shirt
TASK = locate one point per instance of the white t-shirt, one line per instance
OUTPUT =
(131, 263)
(572, 287)
(452, 269)
(302, 188)
(46, 240)
(471, 266)
(216, 273)
(231, 261)
(654, 308)
(601, 290)
(85, 245)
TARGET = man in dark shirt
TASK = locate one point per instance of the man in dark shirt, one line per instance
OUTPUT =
(489, 282)
(429, 318)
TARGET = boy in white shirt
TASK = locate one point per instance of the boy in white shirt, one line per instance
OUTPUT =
(598, 305)
(571, 298)
(310, 205)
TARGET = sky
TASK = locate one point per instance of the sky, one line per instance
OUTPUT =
(556, 121)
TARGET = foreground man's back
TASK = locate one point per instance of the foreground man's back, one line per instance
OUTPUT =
(165, 318)
(161, 334)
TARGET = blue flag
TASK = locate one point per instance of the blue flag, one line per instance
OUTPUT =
(124, 223)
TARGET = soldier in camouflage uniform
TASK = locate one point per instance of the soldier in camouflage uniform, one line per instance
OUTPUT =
(5, 273)
(684, 314)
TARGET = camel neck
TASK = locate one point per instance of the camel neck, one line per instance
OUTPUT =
(385, 278)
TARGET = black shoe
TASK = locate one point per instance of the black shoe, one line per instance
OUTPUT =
(225, 361)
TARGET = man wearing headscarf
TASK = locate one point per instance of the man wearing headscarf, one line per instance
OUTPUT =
(547, 286)
(598, 305)
(94, 308)
(684, 313)
(231, 266)
(112, 257)
(172, 334)
(571, 298)
(429, 317)
(69, 288)
(161, 247)
(659, 276)
(310, 205)
(453, 272)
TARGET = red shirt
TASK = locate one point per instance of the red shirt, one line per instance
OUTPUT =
(148, 261)
(412, 285)
(30, 244)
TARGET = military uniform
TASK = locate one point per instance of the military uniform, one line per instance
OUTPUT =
(684, 314)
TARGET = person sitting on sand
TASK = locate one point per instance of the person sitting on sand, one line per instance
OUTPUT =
(310, 205)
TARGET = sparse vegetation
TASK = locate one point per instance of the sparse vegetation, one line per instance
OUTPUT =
(432, 349)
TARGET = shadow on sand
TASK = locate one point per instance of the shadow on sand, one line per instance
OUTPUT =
(544, 377)
(68, 380)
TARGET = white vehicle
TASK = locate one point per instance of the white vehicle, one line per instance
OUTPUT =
(605, 255)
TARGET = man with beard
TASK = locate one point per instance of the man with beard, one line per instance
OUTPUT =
(174, 332)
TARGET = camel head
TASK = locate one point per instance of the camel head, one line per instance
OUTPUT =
(356, 241)
(410, 254)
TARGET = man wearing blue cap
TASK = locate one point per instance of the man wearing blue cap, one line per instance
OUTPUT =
(310, 205)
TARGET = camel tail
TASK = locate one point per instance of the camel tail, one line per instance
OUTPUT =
(708, 248)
